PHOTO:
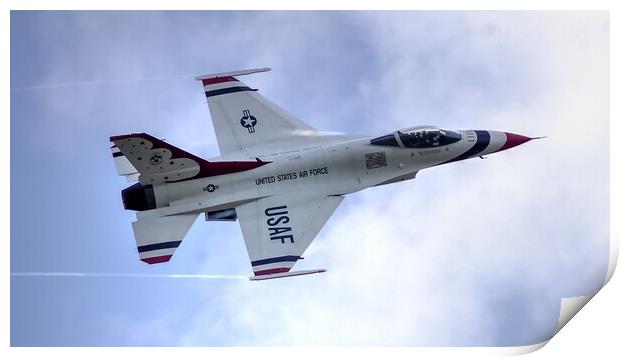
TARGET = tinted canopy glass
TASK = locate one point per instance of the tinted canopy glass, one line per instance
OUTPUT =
(427, 137)
(419, 137)
(385, 140)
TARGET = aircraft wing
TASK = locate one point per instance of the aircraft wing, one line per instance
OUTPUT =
(278, 229)
(242, 118)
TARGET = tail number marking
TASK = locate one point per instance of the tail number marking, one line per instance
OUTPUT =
(277, 224)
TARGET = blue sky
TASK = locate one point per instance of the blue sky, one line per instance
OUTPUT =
(474, 253)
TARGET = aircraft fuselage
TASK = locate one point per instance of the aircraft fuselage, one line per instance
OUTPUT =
(340, 166)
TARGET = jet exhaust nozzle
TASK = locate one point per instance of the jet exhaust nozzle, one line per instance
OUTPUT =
(138, 197)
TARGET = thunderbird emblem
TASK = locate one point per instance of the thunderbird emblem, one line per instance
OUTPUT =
(156, 159)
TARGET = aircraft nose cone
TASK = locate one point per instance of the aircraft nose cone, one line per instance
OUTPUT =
(513, 140)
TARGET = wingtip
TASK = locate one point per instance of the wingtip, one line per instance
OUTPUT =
(242, 72)
(287, 274)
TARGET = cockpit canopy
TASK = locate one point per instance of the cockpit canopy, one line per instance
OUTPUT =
(419, 137)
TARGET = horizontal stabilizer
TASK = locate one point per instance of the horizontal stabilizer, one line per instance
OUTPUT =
(285, 275)
(158, 237)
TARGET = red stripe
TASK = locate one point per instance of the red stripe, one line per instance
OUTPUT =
(216, 80)
(271, 271)
(206, 168)
(155, 260)
(513, 140)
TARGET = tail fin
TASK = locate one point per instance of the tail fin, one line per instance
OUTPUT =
(158, 162)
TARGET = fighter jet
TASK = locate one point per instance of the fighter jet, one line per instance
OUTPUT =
(278, 176)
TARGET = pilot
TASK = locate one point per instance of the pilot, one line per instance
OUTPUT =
(425, 137)
(437, 138)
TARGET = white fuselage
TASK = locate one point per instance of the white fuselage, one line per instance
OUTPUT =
(327, 166)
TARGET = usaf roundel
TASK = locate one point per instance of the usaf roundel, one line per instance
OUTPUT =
(248, 121)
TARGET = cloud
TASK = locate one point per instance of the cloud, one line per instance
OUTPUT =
(472, 253)
(479, 243)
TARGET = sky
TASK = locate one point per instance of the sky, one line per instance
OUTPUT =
(475, 253)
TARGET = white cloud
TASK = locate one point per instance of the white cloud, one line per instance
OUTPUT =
(417, 263)
(430, 261)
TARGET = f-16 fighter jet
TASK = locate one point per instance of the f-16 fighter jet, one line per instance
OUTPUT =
(280, 177)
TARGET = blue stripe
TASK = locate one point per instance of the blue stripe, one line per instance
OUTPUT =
(211, 93)
(116, 154)
(286, 258)
(482, 142)
(157, 246)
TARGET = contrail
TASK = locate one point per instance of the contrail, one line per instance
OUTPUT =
(129, 275)
(90, 83)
